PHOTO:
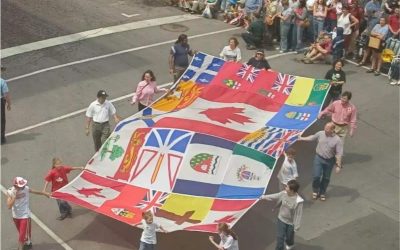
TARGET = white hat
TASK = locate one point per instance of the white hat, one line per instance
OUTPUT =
(19, 182)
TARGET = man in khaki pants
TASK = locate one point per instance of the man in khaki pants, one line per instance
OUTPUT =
(343, 114)
(99, 113)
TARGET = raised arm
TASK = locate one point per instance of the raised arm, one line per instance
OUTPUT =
(33, 191)
(271, 197)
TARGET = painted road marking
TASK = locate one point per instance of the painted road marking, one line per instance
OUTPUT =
(115, 54)
(113, 100)
(94, 33)
(73, 113)
(43, 226)
(365, 67)
(128, 16)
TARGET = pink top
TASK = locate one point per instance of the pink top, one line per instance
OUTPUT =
(145, 92)
(342, 114)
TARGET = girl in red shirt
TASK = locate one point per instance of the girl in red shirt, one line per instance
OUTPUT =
(58, 178)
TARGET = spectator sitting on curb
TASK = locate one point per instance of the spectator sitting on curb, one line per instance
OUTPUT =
(319, 51)
(254, 35)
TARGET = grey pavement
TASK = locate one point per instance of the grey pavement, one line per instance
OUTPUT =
(362, 209)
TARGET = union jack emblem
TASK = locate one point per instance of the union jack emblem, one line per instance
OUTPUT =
(153, 200)
(280, 140)
(273, 141)
(284, 83)
(248, 72)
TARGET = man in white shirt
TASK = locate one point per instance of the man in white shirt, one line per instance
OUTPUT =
(99, 113)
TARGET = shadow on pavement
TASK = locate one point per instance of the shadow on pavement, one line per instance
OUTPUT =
(350, 158)
(79, 212)
(4, 160)
(341, 191)
(47, 246)
(22, 137)
(300, 246)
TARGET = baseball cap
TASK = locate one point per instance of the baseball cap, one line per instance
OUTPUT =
(19, 182)
(260, 51)
(102, 93)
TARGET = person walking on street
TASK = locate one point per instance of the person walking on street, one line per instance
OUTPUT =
(148, 240)
(5, 102)
(145, 90)
(290, 211)
(337, 78)
(343, 114)
(179, 56)
(229, 239)
(329, 153)
(99, 113)
(288, 170)
(18, 202)
(57, 176)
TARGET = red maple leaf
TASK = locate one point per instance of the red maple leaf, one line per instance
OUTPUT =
(227, 114)
(226, 219)
(91, 191)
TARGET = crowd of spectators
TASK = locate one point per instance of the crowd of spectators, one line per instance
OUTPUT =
(324, 30)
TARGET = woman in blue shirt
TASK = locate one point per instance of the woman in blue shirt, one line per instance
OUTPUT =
(379, 31)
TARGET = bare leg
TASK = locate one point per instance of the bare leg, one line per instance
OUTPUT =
(318, 56)
(379, 59)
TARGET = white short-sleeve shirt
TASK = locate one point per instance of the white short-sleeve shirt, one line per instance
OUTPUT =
(228, 242)
(20, 209)
(288, 171)
(149, 232)
(100, 112)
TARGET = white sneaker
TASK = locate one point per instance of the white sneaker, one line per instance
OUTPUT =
(289, 247)
(398, 82)
(393, 82)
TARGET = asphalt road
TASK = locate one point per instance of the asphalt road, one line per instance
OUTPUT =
(362, 209)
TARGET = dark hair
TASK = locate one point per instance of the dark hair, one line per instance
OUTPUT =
(235, 41)
(302, 3)
(348, 94)
(336, 61)
(293, 185)
(290, 151)
(153, 78)
(181, 37)
(223, 227)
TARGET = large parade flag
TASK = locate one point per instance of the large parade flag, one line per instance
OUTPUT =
(203, 153)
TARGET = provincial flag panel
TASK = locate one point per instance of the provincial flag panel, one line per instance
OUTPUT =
(204, 152)
(205, 166)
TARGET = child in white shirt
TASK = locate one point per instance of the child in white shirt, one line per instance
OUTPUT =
(288, 170)
(148, 240)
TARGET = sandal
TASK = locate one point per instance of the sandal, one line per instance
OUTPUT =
(370, 70)
(377, 73)
(314, 196)
(322, 197)
(360, 64)
(308, 61)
